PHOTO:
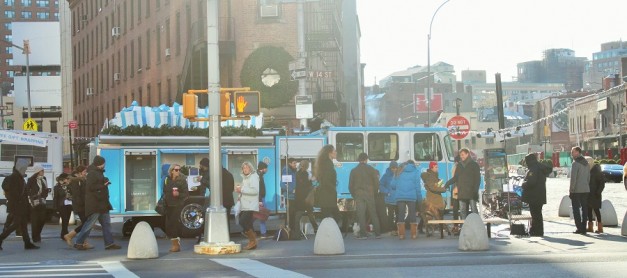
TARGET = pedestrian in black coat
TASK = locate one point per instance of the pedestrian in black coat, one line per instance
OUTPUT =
(534, 192)
(303, 187)
(597, 184)
(62, 200)
(324, 171)
(37, 189)
(18, 206)
(77, 189)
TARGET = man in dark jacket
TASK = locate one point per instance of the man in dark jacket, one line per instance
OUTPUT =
(579, 189)
(467, 178)
(363, 182)
(97, 205)
(262, 169)
(534, 192)
(228, 186)
(17, 204)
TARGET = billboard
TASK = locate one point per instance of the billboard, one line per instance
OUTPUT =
(421, 105)
(44, 91)
(45, 43)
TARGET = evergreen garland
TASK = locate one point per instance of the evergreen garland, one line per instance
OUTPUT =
(135, 130)
(274, 58)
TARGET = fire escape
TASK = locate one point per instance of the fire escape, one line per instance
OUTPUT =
(323, 39)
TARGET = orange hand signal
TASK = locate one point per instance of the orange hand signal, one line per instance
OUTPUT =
(241, 104)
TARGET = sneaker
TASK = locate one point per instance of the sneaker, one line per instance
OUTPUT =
(361, 237)
(80, 247)
(113, 246)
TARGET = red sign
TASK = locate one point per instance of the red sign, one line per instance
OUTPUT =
(458, 127)
(72, 124)
(422, 105)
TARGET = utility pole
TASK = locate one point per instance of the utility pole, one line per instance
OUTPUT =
(300, 19)
(458, 102)
(25, 50)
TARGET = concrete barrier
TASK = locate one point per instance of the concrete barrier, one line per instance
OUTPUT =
(608, 214)
(329, 239)
(3, 214)
(473, 236)
(565, 207)
(143, 243)
(623, 230)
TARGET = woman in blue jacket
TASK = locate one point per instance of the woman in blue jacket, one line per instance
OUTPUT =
(386, 188)
(406, 195)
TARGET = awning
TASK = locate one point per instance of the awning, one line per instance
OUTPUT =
(604, 137)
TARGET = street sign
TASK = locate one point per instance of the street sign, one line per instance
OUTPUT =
(458, 127)
(298, 65)
(320, 74)
(30, 124)
(298, 74)
(73, 124)
(304, 107)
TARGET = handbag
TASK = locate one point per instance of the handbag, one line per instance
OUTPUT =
(518, 229)
(262, 214)
(310, 200)
(160, 208)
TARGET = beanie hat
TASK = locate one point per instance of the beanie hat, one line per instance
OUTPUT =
(432, 164)
(38, 169)
(21, 165)
(98, 160)
(204, 162)
(393, 164)
(262, 165)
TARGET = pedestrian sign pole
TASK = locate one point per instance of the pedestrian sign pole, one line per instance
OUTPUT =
(30, 124)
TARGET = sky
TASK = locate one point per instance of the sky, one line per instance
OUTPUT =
(491, 35)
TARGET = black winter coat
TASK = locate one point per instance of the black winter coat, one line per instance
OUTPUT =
(534, 184)
(467, 180)
(33, 189)
(59, 195)
(303, 187)
(228, 186)
(597, 184)
(363, 181)
(96, 192)
(77, 190)
(181, 184)
(327, 190)
(15, 190)
(262, 186)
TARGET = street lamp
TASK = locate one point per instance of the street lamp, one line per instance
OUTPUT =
(429, 64)
(26, 51)
(458, 103)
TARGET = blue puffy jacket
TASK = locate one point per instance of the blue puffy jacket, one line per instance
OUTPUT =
(408, 187)
(385, 186)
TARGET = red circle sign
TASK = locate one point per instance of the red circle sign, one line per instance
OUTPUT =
(73, 124)
(458, 127)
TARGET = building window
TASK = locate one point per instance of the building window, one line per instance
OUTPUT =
(178, 33)
(42, 3)
(8, 26)
(148, 8)
(133, 59)
(8, 49)
(139, 11)
(148, 49)
(9, 3)
(26, 3)
(139, 52)
(9, 62)
(53, 126)
(8, 38)
(43, 15)
(9, 14)
(56, 16)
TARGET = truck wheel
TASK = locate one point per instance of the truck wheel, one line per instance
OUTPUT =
(192, 218)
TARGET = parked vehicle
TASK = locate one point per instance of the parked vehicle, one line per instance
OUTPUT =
(612, 172)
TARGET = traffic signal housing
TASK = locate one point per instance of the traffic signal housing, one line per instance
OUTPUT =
(225, 104)
(190, 106)
(247, 103)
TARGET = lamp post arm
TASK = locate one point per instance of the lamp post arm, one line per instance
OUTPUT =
(433, 17)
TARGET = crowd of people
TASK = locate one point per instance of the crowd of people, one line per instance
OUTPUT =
(392, 202)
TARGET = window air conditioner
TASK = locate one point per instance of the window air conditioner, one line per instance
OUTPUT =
(117, 76)
(167, 52)
(89, 91)
(115, 31)
(269, 10)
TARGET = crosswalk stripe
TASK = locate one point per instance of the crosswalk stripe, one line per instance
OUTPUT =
(257, 269)
(64, 269)
(118, 270)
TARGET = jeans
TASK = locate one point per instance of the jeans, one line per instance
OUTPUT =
(105, 221)
(580, 210)
(464, 205)
(365, 207)
(537, 222)
(406, 206)
(83, 218)
(263, 229)
(392, 211)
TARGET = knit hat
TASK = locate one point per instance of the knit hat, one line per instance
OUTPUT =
(204, 162)
(393, 164)
(262, 165)
(432, 164)
(38, 169)
(21, 165)
(98, 160)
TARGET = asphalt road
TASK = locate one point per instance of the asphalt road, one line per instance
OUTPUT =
(559, 254)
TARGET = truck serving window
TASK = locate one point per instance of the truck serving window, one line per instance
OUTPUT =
(427, 147)
(349, 146)
(383, 146)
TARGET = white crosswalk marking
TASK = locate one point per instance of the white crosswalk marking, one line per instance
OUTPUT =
(257, 269)
(65, 269)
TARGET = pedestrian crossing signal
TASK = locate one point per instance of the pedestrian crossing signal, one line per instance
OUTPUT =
(247, 103)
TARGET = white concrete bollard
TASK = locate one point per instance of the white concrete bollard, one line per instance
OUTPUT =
(565, 207)
(143, 243)
(329, 239)
(3, 214)
(474, 236)
(608, 214)
(623, 230)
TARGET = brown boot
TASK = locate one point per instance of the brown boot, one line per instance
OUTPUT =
(599, 227)
(252, 240)
(590, 227)
(401, 230)
(176, 244)
(68, 238)
(413, 227)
